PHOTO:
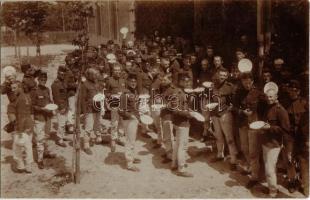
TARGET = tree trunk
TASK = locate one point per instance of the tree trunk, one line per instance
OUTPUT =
(15, 44)
(63, 19)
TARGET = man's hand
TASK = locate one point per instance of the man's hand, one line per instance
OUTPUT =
(247, 112)
(266, 126)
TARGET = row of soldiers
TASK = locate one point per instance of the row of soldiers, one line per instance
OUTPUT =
(158, 71)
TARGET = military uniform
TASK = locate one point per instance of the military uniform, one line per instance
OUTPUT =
(130, 115)
(166, 131)
(71, 80)
(180, 119)
(29, 83)
(60, 98)
(291, 141)
(91, 111)
(22, 140)
(249, 138)
(6, 89)
(40, 98)
(150, 85)
(222, 120)
(115, 86)
(272, 140)
(189, 73)
(302, 151)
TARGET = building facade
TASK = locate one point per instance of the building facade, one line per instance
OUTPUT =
(110, 17)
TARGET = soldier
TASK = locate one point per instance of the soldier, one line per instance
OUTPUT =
(89, 89)
(40, 98)
(296, 109)
(218, 64)
(222, 118)
(22, 144)
(205, 73)
(60, 97)
(71, 79)
(302, 151)
(30, 74)
(9, 77)
(210, 56)
(248, 102)
(130, 116)
(180, 119)
(150, 81)
(167, 91)
(115, 86)
(266, 77)
(187, 68)
(277, 126)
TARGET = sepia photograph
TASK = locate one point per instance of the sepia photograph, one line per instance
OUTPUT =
(155, 99)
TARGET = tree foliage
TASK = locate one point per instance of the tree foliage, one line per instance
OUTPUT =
(27, 17)
(79, 12)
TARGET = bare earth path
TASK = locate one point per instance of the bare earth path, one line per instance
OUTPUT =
(103, 175)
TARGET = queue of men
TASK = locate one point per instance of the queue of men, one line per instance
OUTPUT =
(152, 84)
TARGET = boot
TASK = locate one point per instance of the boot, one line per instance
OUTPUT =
(113, 146)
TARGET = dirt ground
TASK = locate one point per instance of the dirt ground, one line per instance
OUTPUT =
(103, 175)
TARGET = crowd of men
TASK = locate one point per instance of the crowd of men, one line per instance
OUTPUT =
(158, 77)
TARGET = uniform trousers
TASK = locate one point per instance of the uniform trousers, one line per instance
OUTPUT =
(180, 147)
(223, 129)
(40, 138)
(92, 127)
(22, 150)
(270, 156)
(130, 128)
(249, 143)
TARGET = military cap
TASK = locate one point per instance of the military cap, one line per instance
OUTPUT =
(62, 69)
(110, 42)
(294, 84)
(25, 67)
(42, 74)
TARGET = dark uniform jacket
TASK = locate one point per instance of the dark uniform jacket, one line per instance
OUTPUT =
(23, 112)
(179, 107)
(222, 94)
(6, 89)
(167, 94)
(204, 76)
(253, 100)
(29, 83)
(40, 98)
(115, 86)
(295, 110)
(279, 121)
(60, 94)
(71, 83)
(88, 91)
(150, 82)
(129, 104)
(189, 72)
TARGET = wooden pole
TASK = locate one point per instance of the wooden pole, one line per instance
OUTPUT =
(260, 36)
(63, 19)
(77, 125)
(15, 44)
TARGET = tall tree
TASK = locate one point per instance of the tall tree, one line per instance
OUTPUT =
(78, 15)
(34, 15)
(12, 17)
